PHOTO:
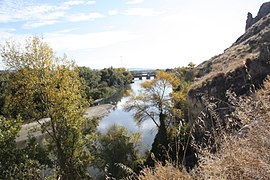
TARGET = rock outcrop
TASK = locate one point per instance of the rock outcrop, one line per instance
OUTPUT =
(264, 11)
(240, 70)
(249, 21)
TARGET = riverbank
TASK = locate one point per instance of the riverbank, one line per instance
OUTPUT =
(98, 111)
(34, 128)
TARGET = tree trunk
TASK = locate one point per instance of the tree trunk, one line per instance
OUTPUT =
(160, 144)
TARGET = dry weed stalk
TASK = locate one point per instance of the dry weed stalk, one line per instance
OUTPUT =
(247, 157)
(167, 172)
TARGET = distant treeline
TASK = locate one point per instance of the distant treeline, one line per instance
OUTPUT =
(101, 84)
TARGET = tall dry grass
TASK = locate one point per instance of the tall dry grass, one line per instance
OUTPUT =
(167, 172)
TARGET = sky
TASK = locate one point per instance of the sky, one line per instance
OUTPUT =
(129, 33)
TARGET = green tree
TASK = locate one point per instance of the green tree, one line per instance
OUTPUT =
(45, 86)
(104, 83)
(154, 102)
(24, 163)
(3, 89)
(125, 75)
(117, 151)
(118, 77)
(109, 76)
(186, 73)
(92, 86)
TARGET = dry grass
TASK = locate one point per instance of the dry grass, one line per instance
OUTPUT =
(167, 172)
(235, 56)
(246, 158)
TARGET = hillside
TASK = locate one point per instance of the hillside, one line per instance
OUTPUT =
(251, 46)
(241, 69)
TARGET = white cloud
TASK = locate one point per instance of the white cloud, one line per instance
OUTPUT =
(43, 19)
(90, 2)
(78, 46)
(35, 24)
(73, 2)
(12, 12)
(68, 41)
(10, 34)
(67, 30)
(53, 15)
(5, 18)
(78, 2)
(144, 12)
(84, 17)
(113, 12)
(109, 27)
(135, 2)
(7, 29)
(34, 15)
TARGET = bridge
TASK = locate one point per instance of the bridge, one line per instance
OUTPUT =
(147, 75)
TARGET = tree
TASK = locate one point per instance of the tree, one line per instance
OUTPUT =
(92, 84)
(181, 150)
(154, 102)
(24, 163)
(185, 76)
(186, 73)
(117, 150)
(45, 86)
(118, 77)
(3, 89)
(125, 75)
(104, 83)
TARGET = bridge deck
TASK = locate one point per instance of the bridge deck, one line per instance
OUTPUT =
(141, 75)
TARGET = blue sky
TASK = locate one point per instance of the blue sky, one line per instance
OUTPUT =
(129, 33)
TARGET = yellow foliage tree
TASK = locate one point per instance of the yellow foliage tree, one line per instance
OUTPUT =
(155, 103)
(42, 85)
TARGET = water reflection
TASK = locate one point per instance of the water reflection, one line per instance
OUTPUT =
(120, 117)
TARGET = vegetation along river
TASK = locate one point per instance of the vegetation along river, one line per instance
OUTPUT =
(111, 114)
(122, 118)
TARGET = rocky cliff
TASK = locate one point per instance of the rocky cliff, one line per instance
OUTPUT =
(240, 70)
(264, 11)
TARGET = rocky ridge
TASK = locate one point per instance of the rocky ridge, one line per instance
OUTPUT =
(264, 11)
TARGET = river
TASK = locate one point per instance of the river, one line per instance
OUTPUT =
(110, 115)
(122, 118)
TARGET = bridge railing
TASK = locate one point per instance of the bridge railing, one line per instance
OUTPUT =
(146, 75)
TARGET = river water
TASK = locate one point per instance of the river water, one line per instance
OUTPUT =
(122, 118)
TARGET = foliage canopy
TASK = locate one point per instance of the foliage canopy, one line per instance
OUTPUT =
(117, 152)
(42, 85)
